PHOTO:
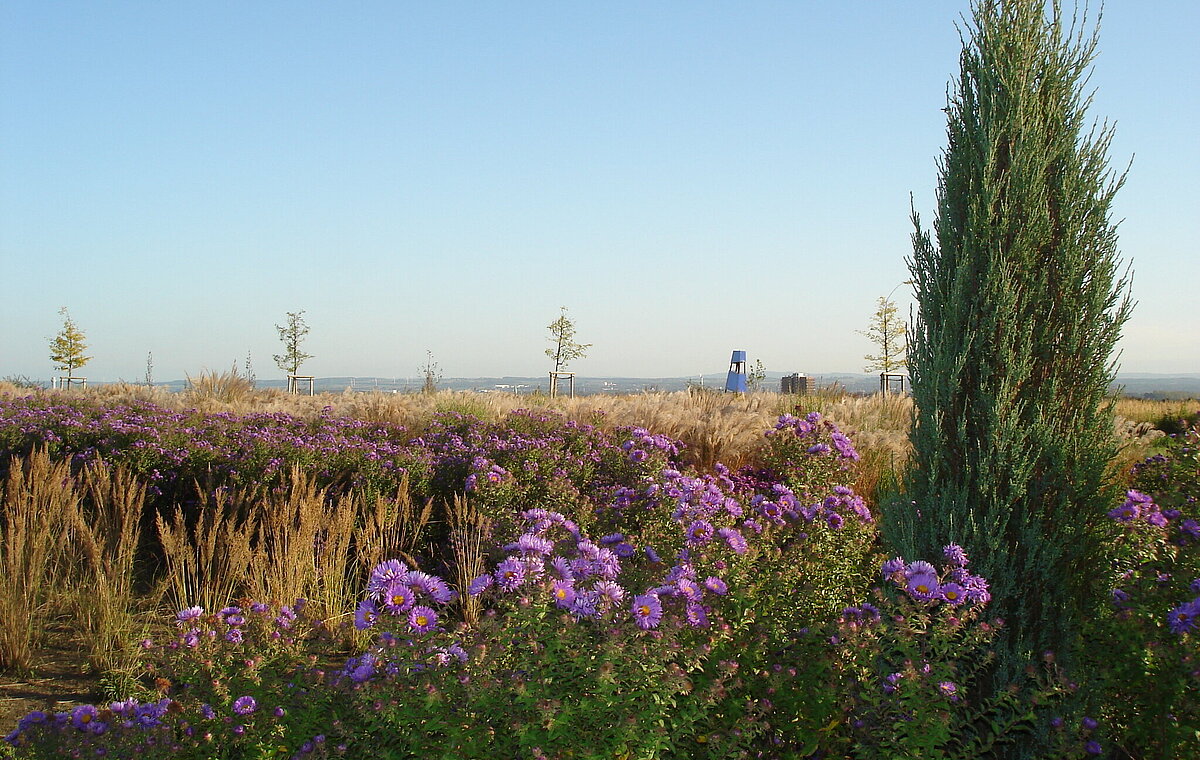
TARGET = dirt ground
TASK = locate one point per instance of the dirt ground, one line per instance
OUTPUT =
(55, 683)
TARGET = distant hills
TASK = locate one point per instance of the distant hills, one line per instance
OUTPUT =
(1142, 385)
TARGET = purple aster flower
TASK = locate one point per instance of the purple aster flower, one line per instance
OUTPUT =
(609, 591)
(383, 574)
(696, 614)
(977, 589)
(716, 585)
(234, 635)
(688, 589)
(189, 613)
(700, 532)
(612, 538)
(563, 592)
(364, 616)
(954, 554)
(953, 594)
(528, 543)
(652, 555)
(510, 574)
(734, 540)
(480, 584)
(1182, 619)
(893, 566)
(647, 611)
(82, 716)
(947, 688)
(1088, 723)
(422, 619)
(244, 705)
(637, 456)
(1093, 748)
(432, 585)
(923, 586)
(624, 550)
(1190, 530)
(397, 598)
(919, 567)
(562, 567)
(843, 445)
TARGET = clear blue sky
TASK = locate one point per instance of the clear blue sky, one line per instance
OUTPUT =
(688, 178)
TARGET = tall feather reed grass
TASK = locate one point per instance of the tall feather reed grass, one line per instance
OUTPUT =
(208, 558)
(468, 528)
(38, 494)
(107, 533)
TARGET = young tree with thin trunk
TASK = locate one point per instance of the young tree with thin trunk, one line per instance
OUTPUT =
(292, 335)
(887, 331)
(68, 347)
(562, 337)
(431, 372)
(1020, 305)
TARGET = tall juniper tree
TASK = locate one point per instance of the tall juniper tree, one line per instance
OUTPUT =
(1020, 305)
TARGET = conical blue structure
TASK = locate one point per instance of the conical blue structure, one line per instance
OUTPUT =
(736, 382)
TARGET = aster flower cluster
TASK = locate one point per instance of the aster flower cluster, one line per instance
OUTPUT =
(921, 581)
(809, 429)
(395, 590)
(553, 557)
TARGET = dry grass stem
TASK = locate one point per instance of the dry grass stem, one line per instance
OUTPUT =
(36, 495)
(207, 561)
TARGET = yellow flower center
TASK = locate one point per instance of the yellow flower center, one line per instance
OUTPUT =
(422, 620)
(644, 610)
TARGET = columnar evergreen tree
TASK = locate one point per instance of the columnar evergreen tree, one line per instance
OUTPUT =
(1020, 305)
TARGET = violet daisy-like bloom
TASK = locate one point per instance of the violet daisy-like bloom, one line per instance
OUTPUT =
(432, 585)
(647, 611)
(562, 567)
(952, 593)
(954, 554)
(188, 614)
(82, 716)
(652, 555)
(563, 593)
(609, 591)
(480, 584)
(398, 598)
(923, 586)
(688, 589)
(1183, 619)
(365, 615)
(893, 566)
(383, 574)
(919, 567)
(510, 574)
(1189, 530)
(716, 585)
(527, 543)
(637, 456)
(234, 635)
(734, 540)
(700, 532)
(245, 705)
(696, 615)
(947, 688)
(422, 619)
(1126, 513)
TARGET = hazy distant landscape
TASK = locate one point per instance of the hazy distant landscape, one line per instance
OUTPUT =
(1135, 384)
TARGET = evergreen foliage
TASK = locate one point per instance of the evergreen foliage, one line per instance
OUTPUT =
(1020, 305)
(68, 347)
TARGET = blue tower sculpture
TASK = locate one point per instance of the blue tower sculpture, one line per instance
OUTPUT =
(736, 382)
